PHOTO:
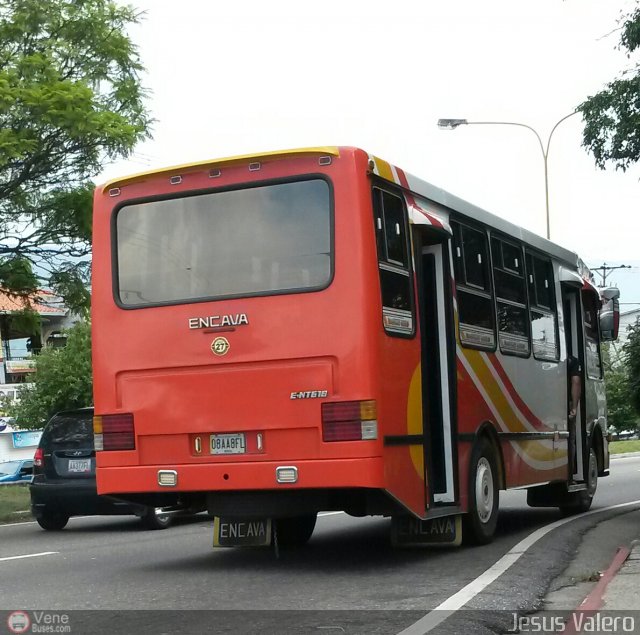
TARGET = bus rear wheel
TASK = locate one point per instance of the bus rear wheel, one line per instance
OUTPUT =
(580, 502)
(295, 531)
(479, 524)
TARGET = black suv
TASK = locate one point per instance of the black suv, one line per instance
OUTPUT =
(64, 476)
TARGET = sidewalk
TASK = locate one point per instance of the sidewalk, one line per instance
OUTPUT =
(618, 585)
(621, 590)
(621, 593)
(612, 605)
(603, 576)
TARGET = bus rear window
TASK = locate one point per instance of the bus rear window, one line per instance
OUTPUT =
(254, 241)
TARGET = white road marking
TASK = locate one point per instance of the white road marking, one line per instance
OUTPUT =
(26, 522)
(444, 610)
(29, 555)
(329, 513)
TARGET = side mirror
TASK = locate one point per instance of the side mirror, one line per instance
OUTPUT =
(610, 314)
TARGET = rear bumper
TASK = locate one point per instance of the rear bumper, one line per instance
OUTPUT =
(255, 475)
(75, 498)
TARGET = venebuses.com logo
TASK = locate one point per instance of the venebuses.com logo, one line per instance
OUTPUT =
(19, 622)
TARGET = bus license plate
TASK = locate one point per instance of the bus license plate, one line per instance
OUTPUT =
(79, 465)
(228, 443)
(236, 532)
(407, 531)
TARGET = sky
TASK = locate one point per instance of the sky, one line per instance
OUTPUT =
(249, 76)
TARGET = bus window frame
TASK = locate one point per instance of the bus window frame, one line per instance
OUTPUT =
(392, 266)
(166, 196)
(471, 288)
(512, 242)
(528, 251)
(588, 293)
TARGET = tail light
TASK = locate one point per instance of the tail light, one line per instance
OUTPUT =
(114, 432)
(38, 458)
(349, 421)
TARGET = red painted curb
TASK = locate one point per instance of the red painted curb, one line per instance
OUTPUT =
(593, 602)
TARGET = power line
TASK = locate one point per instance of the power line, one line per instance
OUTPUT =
(604, 270)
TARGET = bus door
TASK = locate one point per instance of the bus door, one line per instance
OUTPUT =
(572, 319)
(438, 367)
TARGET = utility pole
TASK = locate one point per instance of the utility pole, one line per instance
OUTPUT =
(604, 270)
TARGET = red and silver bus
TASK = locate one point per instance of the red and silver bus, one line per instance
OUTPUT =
(309, 330)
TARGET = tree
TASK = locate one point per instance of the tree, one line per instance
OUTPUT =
(620, 412)
(62, 380)
(632, 352)
(70, 101)
(612, 116)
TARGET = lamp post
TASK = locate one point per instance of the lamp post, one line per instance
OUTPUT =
(452, 124)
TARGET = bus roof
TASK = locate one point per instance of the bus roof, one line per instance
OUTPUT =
(453, 203)
(386, 171)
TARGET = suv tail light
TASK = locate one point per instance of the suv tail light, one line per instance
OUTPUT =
(349, 421)
(114, 432)
(38, 458)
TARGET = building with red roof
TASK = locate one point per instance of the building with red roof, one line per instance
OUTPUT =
(18, 342)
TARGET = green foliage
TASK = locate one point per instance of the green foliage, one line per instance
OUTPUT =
(612, 116)
(620, 412)
(62, 380)
(70, 100)
(632, 352)
(619, 365)
(16, 275)
(69, 282)
(26, 321)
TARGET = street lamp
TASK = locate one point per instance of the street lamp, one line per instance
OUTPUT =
(452, 124)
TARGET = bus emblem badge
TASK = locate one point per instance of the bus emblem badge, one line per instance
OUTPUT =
(220, 346)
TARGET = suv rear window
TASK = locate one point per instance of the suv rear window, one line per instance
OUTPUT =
(69, 430)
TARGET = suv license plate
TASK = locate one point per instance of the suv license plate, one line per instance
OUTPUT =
(228, 443)
(79, 465)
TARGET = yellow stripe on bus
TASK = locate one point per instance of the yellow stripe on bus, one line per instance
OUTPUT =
(384, 169)
(535, 450)
(414, 419)
(219, 163)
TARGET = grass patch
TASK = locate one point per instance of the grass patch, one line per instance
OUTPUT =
(14, 498)
(622, 447)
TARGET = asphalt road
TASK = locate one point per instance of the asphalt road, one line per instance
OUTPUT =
(347, 579)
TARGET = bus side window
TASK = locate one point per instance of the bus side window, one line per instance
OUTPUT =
(542, 308)
(591, 335)
(473, 287)
(511, 297)
(396, 287)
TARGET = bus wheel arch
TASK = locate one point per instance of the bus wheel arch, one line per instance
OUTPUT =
(479, 523)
